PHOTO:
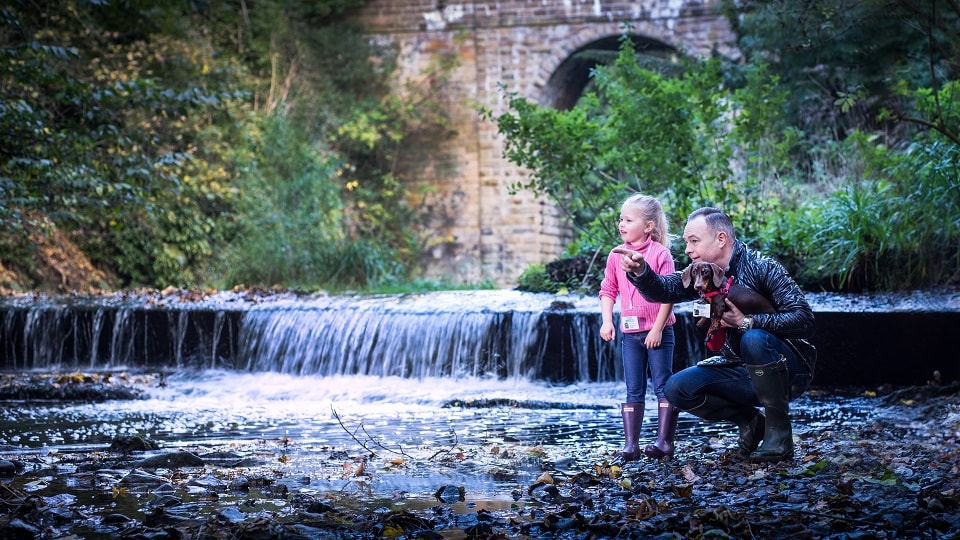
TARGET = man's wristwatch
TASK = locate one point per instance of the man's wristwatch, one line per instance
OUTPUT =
(746, 323)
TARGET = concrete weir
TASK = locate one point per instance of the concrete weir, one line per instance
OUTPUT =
(861, 340)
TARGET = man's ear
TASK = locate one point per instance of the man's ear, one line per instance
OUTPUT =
(722, 238)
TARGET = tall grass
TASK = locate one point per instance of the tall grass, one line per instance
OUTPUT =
(897, 229)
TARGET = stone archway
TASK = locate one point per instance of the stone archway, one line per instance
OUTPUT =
(570, 78)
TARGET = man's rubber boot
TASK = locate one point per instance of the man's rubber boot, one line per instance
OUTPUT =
(747, 418)
(772, 382)
(632, 420)
(666, 429)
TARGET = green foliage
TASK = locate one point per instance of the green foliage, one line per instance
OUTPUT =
(329, 165)
(97, 141)
(875, 98)
(845, 62)
(835, 147)
(534, 278)
(187, 143)
(671, 136)
(288, 209)
(900, 230)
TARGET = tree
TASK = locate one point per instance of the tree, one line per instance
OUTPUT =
(98, 122)
(851, 65)
(186, 143)
(874, 92)
(682, 134)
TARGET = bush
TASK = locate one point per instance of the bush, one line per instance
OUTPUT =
(535, 279)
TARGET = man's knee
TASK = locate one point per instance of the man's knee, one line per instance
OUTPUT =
(756, 347)
(753, 340)
(678, 392)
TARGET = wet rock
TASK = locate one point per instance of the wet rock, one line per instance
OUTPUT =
(135, 443)
(161, 517)
(165, 501)
(545, 493)
(231, 514)
(19, 529)
(240, 483)
(7, 468)
(210, 483)
(310, 504)
(43, 388)
(142, 478)
(164, 489)
(117, 519)
(221, 459)
(450, 494)
(58, 514)
(173, 460)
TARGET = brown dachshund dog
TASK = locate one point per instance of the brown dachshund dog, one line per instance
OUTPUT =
(708, 280)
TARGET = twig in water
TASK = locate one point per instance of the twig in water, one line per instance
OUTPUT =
(354, 437)
(456, 441)
(400, 452)
(378, 443)
(370, 438)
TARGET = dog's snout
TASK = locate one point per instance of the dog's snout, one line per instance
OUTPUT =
(699, 281)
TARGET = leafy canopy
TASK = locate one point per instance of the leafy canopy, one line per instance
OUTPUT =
(673, 133)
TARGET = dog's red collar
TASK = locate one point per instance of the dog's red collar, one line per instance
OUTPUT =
(722, 290)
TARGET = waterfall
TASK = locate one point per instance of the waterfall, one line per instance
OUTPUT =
(500, 334)
(370, 342)
(860, 339)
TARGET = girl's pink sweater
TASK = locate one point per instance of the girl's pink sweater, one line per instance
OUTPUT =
(615, 282)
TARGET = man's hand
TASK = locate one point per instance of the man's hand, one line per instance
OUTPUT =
(732, 317)
(632, 261)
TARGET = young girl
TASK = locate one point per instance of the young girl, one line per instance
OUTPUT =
(647, 327)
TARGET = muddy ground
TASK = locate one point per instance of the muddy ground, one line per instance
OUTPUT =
(897, 475)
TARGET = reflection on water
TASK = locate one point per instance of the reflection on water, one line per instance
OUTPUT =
(220, 405)
(216, 405)
(321, 426)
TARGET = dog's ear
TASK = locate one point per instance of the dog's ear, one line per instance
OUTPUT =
(717, 275)
(685, 276)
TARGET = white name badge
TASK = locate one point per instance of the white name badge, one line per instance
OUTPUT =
(630, 323)
(701, 310)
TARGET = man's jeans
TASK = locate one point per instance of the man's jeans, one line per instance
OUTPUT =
(687, 388)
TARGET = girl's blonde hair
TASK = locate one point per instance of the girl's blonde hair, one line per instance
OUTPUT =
(651, 210)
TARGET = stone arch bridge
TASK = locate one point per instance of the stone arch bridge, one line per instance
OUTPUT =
(479, 231)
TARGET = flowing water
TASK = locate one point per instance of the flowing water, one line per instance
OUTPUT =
(307, 379)
(309, 419)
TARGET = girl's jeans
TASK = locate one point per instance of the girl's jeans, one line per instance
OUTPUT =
(638, 360)
(686, 389)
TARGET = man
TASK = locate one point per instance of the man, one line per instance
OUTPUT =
(766, 358)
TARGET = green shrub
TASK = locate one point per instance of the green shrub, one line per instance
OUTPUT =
(535, 279)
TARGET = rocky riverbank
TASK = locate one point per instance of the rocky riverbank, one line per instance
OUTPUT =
(893, 476)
